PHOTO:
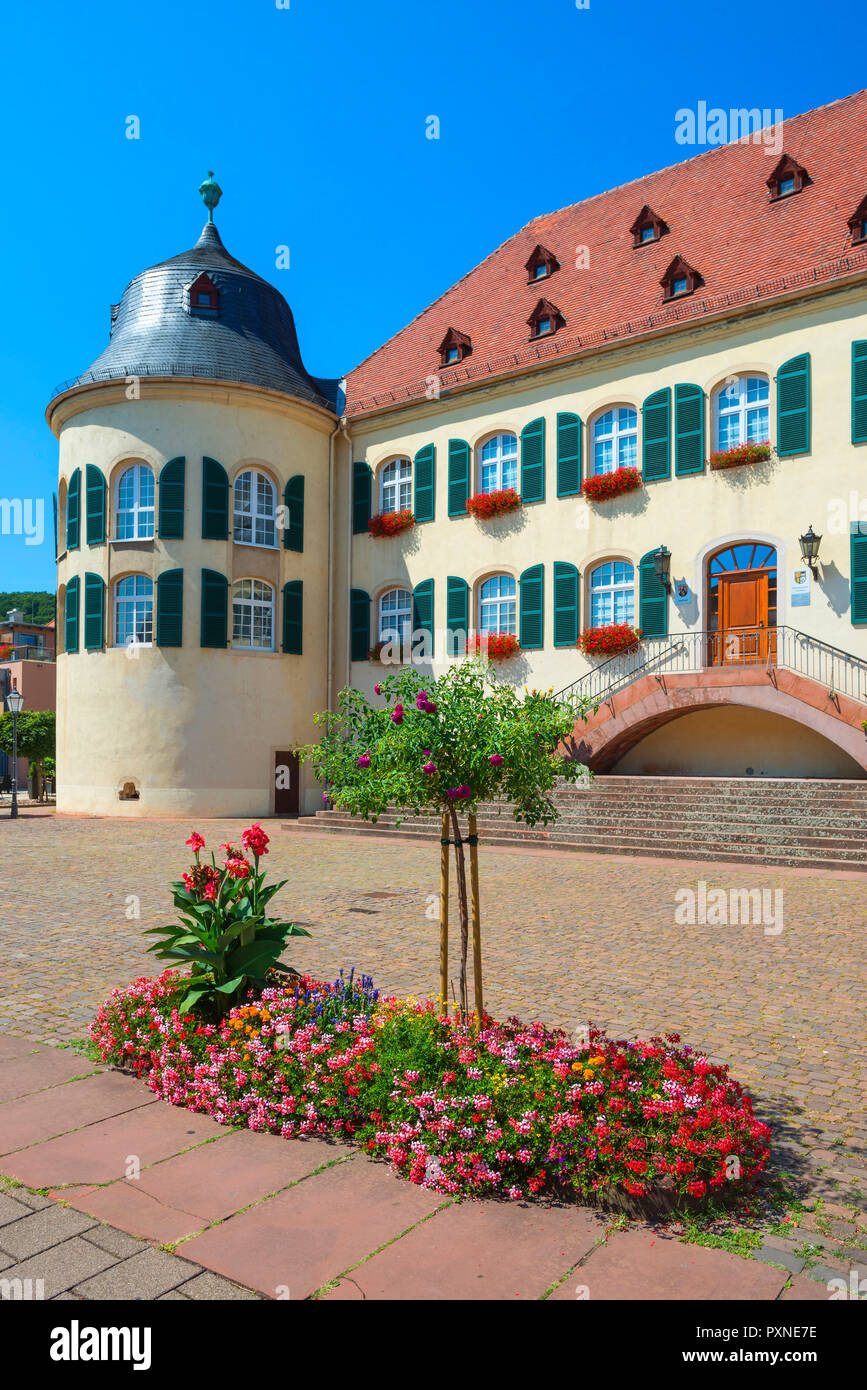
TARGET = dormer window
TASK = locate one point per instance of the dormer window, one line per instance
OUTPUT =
(648, 226)
(858, 222)
(545, 320)
(204, 297)
(541, 264)
(454, 347)
(788, 177)
(680, 279)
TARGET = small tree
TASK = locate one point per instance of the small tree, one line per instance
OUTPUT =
(35, 740)
(445, 745)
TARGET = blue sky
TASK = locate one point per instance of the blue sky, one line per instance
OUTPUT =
(313, 118)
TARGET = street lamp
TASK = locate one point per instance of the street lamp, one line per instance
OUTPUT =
(14, 702)
(662, 565)
(810, 543)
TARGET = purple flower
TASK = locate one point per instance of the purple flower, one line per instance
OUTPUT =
(430, 707)
(429, 767)
(421, 699)
(397, 714)
(495, 760)
(452, 793)
(364, 760)
(464, 791)
(377, 690)
(427, 753)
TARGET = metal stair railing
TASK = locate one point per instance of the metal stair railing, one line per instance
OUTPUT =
(841, 672)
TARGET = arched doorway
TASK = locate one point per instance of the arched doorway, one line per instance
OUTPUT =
(742, 605)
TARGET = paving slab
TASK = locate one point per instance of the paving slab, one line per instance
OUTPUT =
(15, 1047)
(211, 1286)
(124, 1205)
(33, 1119)
(640, 1264)
(10, 1210)
(806, 1291)
(101, 1152)
(315, 1231)
(477, 1250)
(243, 1167)
(36, 1071)
(113, 1242)
(39, 1230)
(62, 1266)
(142, 1276)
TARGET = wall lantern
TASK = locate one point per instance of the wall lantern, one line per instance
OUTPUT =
(662, 566)
(810, 543)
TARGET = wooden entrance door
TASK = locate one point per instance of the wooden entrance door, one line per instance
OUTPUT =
(287, 800)
(745, 636)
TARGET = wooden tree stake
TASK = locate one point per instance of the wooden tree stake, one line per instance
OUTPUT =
(444, 915)
(477, 925)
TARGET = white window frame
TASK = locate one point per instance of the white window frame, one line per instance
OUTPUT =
(616, 426)
(142, 515)
(258, 604)
(491, 615)
(503, 459)
(613, 586)
(402, 611)
(141, 606)
(260, 521)
(395, 485)
(732, 404)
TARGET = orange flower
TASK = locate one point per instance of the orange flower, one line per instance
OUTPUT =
(589, 1075)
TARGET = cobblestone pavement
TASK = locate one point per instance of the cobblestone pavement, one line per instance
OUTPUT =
(567, 938)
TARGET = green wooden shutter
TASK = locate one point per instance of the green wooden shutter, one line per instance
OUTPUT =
(565, 604)
(171, 523)
(359, 622)
(293, 500)
(215, 609)
(73, 510)
(568, 454)
(688, 430)
(95, 505)
(533, 461)
(215, 501)
(362, 479)
(457, 614)
(70, 616)
(793, 406)
(94, 613)
(858, 564)
(424, 483)
(170, 608)
(652, 599)
(532, 608)
(423, 615)
(656, 456)
(859, 392)
(459, 476)
(293, 610)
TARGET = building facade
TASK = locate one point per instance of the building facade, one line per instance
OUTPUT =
(647, 411)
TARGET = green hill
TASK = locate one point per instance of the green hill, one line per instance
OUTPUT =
(36, 605)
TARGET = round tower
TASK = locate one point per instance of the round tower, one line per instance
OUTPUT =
(193, 528)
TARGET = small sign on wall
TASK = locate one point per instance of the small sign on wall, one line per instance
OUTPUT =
(799, 595)
(681, 591)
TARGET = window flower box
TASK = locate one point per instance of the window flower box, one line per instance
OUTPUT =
(603, 486)
(486, 505)
(496, 646)
(390, 523)
(741, 453)
(611, 640)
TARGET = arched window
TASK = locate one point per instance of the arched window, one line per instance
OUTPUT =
(615, 439)
(498, 463)
(743, 412)
(395, 486)
(498, 608)
(133, 610)
(395, 617)
(135, 504)
(612, 593)
(253, 615)
(255, 509)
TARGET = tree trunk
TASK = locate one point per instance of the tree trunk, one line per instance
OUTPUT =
(444, 914)
(465, 916)
(477, 920)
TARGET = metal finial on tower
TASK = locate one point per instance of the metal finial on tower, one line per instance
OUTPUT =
(211, 194)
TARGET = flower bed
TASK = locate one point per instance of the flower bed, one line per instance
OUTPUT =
(390, 523)
(601, 486)
(610, 640)
(485, 505)
(496, 646)
(514, 1109)
(741, 453)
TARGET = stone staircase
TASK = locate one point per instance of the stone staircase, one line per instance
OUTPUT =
(798, 822)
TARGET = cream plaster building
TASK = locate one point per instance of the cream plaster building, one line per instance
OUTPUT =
(696, 339)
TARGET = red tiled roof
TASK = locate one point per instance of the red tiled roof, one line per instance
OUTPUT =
(721, 221)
